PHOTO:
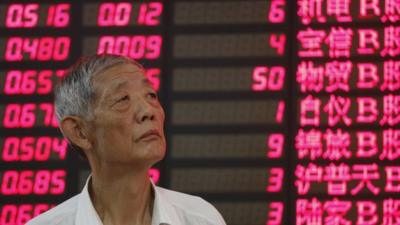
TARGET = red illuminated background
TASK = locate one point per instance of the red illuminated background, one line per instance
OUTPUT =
(278, 112)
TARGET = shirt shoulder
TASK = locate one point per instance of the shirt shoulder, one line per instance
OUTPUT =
(62, 214)
(192, 208)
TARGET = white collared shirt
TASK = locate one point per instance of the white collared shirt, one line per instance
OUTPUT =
(169, 208)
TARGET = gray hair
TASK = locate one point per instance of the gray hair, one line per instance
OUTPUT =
(74, 94)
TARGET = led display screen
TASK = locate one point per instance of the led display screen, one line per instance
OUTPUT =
(277, 111)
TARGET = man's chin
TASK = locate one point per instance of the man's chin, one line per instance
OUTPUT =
(160, 156)
(155, 154)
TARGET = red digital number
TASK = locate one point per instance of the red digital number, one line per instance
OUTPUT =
(271, 79)
(20, 214)
(58, 15)
(114, 14)
(275, 213)
(28, 182)
(28, 82)
(23, 115)
(119, 14)
(275, 180)
(19, 116)
(33, 149)
(136, 47)
(278, 42)
(20, 15)
(154, 174)
(41, 49)
(49, 114)
(153, 74)
(275, 144)
(277, 11)
(149, 13)
(280, 112)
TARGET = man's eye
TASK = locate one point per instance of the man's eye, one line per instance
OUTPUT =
(123, 98)
(153, 95)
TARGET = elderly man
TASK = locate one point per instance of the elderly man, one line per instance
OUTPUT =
(108, 111)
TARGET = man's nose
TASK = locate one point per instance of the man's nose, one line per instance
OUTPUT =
(147, 116)
(145, 111)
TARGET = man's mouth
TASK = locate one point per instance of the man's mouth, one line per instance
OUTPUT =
(149, 135)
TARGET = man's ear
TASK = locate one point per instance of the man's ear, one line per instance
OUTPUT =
(76, 131)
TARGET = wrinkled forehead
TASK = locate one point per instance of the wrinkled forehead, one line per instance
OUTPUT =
(117, 72)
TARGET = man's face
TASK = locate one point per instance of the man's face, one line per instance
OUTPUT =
(128, 120)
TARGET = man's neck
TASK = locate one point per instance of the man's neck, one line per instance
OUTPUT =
(121, 199)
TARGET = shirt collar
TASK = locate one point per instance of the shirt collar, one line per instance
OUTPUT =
(163, 211)
(86, 213)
